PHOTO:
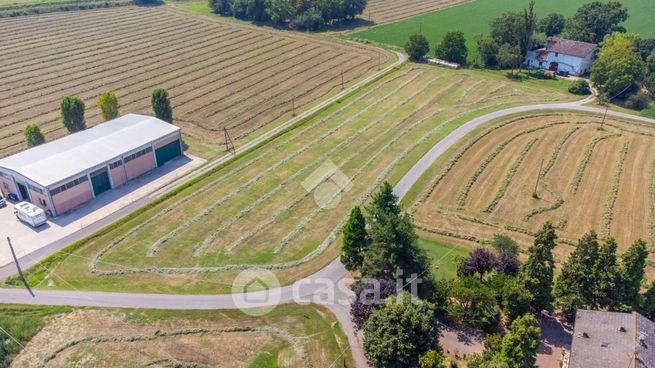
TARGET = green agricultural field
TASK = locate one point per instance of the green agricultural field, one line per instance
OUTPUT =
(262, 209)
(149, 338)
(444, 256)
(473, 19)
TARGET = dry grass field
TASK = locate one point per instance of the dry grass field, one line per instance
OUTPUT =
(218, 73)
(260, 211)
(590, 179)
(385, 11)
(147, 338)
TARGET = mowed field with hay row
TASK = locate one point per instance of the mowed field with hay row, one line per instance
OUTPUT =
(585, 179)
(267, 208)
(385, 11)
(160, 338)
(219, 74)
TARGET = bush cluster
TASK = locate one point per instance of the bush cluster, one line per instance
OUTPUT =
(580, 87)
(304, 14)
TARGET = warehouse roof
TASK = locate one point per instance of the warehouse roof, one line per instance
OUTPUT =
(612, 339)
(61, 159)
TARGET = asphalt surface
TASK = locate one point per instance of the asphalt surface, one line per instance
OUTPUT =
(309, 289)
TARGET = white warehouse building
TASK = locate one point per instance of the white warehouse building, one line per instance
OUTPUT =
(61, 175)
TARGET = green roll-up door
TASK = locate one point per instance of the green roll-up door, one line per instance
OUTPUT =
(168, 152)
(100, 181)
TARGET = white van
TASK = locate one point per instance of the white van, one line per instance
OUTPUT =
(30, 214)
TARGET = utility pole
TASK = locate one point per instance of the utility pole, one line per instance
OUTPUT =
(534, 192)
(342, 87)
(602, 124)
(229, 146)
(20, 272)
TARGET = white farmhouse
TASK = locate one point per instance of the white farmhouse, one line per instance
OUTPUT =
(560, 55)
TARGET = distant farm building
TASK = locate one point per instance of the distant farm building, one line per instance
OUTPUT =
(560, 55)
(63, 174)
(612, 340)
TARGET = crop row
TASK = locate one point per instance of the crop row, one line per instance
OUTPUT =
(292, 340)
(294, 178)
(509, 176)
(371, 158)
(113, 67)
(182, 73)
(44, 28)
(608, 210)
(463, 195)
(586, 156)
(272, 168)
(41, 52)
(362, 148)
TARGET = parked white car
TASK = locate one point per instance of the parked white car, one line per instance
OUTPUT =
(30, 214)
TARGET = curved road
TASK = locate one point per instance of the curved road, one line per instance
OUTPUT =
(310, 289)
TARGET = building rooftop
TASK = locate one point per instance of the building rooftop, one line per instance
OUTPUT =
(611, 339)
(59, 160)
(569, 47)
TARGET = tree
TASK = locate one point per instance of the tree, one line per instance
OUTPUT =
(369, 293)
(509, 57)
(519, 347)
(594, 20)
(633, 263)
(473, 303)
(355, 240)
(506, 28)
(393, 251)
(161, 105)
(399, 332)
(580, 87)
(480, 261)
(280, 11)
(108, 104)
(352, 8)
(417, 47)
(431, 359)
(488, 51)
(648, 305)
(527, 29)
(502, 242)
(645, 47)
(309, 19)
(516, 299)
(537, 273)
(618, 66)
(222, 7)
(605, 275)
(553, 24)
(33, 135)
(453, 48)
(72, 114)
(575, 285)
(507, 263)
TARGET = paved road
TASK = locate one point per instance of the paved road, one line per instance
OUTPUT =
(309, 288)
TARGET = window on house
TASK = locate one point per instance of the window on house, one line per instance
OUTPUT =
(556, 54)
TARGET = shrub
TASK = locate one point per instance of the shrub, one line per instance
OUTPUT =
(72, 114)
(541, 74)
(33, 135)
(580, 87)
(637, 101)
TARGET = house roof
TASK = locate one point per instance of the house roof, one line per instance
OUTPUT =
(53, 162)
(610, 340)
(569, 47)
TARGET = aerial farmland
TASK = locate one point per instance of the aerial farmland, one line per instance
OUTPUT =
(219, 74)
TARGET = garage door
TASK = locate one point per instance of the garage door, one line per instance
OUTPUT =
(168, 152)
(100, 181)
